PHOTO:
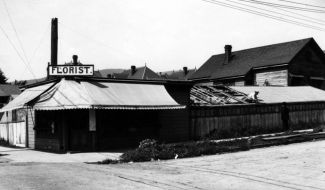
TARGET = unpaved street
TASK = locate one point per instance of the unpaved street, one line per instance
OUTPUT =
(295, 166)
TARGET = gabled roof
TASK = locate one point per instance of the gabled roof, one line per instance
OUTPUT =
(242, 61)
(105, 72)
(74, 94)
(8, 90)
(142, 73)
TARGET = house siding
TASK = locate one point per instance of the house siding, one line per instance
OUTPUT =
(277, 78)
(308, 64)
(30, 128)
(174, 125)
(240, 83)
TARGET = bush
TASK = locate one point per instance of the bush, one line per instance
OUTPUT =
(150, 149)
(166, 152)
(109, 161)
(147, 150)
(3, 142)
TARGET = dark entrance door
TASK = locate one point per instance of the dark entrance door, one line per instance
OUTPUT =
(126, 128)
(78, 132)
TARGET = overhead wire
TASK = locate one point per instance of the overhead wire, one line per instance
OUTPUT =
(302, 15)
(264, 14)
(38, 45)
(279, 13)
(99, 42)
(312, 18)
(309, 5)
(16, 50)
(19, 40)
(284, 6)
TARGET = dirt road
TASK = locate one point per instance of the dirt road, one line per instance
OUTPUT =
(295, 166)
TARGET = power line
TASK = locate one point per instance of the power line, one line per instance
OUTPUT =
(312, 18)
(264, 14)
(38, 45)
(98, 42)
(284, 6)
(17, 36)
(302, 4)
(12, 44)
(279, 13)
(40, 41)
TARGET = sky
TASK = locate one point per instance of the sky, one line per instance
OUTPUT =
(163, 34)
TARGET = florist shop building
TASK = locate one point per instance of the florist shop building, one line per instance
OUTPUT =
(87, 114)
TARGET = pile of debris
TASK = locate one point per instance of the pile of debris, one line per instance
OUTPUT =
(204, 95)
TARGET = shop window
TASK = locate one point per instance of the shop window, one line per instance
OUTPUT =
(14, 115)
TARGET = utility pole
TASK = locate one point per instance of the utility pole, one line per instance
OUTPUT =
(54, 44)
(54, 41)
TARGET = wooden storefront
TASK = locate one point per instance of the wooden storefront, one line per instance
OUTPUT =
(70, 130)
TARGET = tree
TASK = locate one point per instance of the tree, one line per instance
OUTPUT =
(3, 78)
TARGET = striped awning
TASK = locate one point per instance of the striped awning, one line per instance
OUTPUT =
(71, 94)
(28, 95)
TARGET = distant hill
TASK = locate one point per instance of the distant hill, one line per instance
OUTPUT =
(105, 72)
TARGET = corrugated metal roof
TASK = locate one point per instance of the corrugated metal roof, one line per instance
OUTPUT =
(69, 94)
(26, 96)
(270, 94)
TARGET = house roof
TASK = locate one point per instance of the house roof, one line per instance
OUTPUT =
(179, 75)
(27, 96)
(272, 94)
(105, 72)
(72, 94)
(243, 61)
(8, 90)
(143, 73)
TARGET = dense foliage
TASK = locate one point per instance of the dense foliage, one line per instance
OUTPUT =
(3, 78)
(149, 150)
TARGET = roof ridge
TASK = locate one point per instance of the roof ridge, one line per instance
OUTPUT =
(144, 71)
(305, 39)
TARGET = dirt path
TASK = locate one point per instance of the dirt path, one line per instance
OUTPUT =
(296, 166)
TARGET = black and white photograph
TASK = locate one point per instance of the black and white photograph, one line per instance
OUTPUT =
(162, 94)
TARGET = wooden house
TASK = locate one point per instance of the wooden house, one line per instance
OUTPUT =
(82, 114)
(140, 73)
(295, 63)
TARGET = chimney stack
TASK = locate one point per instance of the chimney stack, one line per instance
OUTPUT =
(227, 53)
(54, 41)
(185, 70)
(75, 60)
(133, 69)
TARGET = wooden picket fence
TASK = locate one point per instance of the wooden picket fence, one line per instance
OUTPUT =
(14, 133)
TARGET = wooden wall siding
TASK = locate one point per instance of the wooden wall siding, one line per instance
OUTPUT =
(234, 121)
(273, 77)
(174, 125)
(14, 133)
(240, 83)
(30, 128)
(47, 144)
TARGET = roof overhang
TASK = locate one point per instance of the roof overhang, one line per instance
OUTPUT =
(229, 78)
(95, 94)
(271, 66)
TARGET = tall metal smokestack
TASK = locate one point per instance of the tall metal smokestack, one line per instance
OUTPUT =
(54, 41)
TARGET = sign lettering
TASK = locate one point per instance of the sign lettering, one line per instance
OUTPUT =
(71, 70)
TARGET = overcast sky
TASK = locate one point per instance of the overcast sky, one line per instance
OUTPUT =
(164, 34)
